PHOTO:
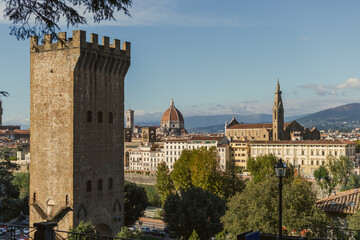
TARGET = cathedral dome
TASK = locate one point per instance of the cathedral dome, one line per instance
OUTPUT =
(172, 117)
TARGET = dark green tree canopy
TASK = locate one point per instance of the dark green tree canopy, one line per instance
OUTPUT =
(135, 202)
(39, 17)
(262, 167)
(194, 209)
(256, 208)
(164, 184)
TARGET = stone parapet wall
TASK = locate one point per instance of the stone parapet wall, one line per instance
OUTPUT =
(141, 177)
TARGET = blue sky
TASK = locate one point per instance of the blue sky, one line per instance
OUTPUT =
(216, 57)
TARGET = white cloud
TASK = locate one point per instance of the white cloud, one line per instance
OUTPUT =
(350, 84)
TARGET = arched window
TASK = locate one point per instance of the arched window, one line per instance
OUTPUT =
(100, 117)
(111, 117)
(88, 186)
(88, 116)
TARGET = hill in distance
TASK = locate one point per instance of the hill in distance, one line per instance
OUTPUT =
(342, 117)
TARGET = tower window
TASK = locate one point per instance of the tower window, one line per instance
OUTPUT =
(34, 198)
(67, 200)
(88, 186)
(111, 117)
(88, 116)
(110, 183)
(100, 116)
(100, 184)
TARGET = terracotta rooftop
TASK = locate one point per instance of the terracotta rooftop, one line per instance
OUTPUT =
(345, 202)
(254, 125)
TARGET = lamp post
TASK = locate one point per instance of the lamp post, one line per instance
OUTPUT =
(280, 171)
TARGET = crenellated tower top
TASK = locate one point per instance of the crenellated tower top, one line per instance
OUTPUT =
(78, 40)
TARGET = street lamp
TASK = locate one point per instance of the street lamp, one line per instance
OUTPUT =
(280, 171)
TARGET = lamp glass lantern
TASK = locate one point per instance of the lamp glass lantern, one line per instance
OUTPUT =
(280, 168)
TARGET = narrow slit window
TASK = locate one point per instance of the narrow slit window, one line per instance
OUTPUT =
(111, 117)
(100, 117)
(88, 186)
(110, 183)
(100, 182)
(88, 116)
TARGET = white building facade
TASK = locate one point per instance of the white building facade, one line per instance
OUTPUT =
(174, 147)
(307, 155)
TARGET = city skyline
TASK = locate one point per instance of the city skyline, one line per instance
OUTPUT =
(219, 59)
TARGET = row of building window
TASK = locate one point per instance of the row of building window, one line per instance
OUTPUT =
(100, 117)
(100, 184)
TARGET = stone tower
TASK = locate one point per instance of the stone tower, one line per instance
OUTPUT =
(278, 115)
(129, 118)
(1, 113)
(77, 127)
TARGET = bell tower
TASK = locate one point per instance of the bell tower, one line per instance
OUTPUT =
(278, 115)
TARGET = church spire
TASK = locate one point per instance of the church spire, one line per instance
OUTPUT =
(278, 114)
(172, 103)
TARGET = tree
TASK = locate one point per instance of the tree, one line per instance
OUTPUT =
(135, 202)
(22, 181)
(262, 167)
(194, 236)
(164, 184)
(341, 170)
(10, 204)
(125, 233)
(200, 168)
(83, 227)
(354, 223)
(324, 180)
(181, 173)
(39, 17)
(5, 153)
(194, 209)
(256, 208)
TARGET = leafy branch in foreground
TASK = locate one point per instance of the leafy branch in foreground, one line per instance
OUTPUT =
(39, 17)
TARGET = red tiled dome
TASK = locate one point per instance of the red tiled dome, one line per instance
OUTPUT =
(172, 114)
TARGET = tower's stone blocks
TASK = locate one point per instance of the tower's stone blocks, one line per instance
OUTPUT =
(77, 126)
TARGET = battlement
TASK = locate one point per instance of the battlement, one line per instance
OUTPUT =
(78, 40)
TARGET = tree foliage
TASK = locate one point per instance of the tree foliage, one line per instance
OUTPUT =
(323, 179)
(10, 203)
(4, 94)
(337, 171)
(164, 184)
(341, 170)
(22, 181)
(200, 168)
(125, 233)
(194, 236)
(82, 227)
(256, 208)
(194, 209)
(354, 223)
(38, 17)
(135, 202)
(262, 167)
